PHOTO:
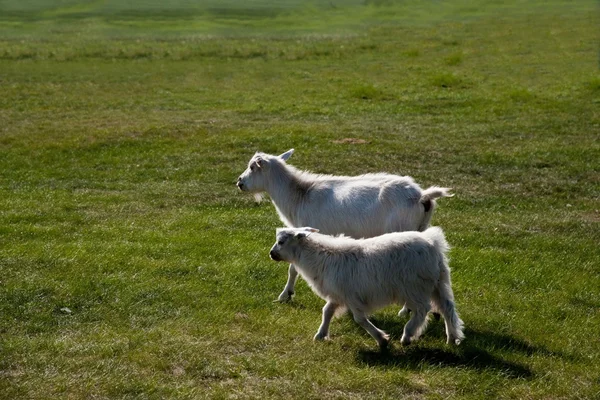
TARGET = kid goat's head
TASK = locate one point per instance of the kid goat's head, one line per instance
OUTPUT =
(287, 240)
(254, 178)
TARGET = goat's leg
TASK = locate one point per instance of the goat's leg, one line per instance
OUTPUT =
(404, 312)
(382, 338)
(288, 291)
(328, 312)
(414, 326)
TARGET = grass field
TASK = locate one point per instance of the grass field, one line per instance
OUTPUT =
(131, 267)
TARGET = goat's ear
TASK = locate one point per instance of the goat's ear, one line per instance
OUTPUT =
(305, 232)
(285, 156)
(260, 162)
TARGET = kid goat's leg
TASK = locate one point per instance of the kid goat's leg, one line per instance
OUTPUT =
(404, 311)
(328, 312)
(288, 291)
(415, 325)
(382, 338)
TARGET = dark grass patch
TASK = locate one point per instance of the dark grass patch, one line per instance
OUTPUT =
(447, 80)
(521, 95)
(467, 357)
(454, 59)
(367, 92)
(593, 85)
(412, 53)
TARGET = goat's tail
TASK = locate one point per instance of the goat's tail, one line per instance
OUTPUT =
(443, 296)
(436, 235)
(428, 197)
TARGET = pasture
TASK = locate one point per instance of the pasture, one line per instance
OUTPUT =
(131, 267)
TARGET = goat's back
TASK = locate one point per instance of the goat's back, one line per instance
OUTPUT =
(362, 206)
(375, 272)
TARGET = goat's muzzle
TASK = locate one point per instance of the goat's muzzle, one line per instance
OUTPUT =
(274, 256)
(239, 184)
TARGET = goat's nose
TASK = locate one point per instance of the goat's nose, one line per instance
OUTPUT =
(273, 255)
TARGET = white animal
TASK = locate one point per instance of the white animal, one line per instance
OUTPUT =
(357, 206)
(367, 274)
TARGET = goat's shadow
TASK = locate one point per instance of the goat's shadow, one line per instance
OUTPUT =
(472, 352)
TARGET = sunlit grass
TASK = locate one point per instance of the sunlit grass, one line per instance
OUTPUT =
(131, 267)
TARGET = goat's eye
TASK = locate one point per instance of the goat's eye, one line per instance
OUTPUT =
(280, 243)
(252, 168)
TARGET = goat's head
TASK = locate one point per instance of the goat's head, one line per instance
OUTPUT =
(254, 178)
(287, 243)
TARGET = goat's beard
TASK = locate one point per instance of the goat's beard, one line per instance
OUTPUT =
(258, 197)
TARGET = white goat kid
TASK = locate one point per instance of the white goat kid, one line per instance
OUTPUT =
(367, 274)
(358, 206)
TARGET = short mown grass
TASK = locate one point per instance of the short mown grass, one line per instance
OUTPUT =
(131, 267)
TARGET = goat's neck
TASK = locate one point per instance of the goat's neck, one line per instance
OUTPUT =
(286, 190)
(312, 260)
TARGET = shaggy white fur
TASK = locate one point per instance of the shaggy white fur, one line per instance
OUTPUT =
(367, 274)
(358, 206)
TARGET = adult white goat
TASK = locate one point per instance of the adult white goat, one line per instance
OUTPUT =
(367, 274)
(358, 206)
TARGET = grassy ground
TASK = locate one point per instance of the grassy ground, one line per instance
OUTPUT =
(130, 267)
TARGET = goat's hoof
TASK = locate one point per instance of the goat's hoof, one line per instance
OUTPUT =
(454, 341)
(320, 337)
(405, 341)
(285, 296)
(384, 342)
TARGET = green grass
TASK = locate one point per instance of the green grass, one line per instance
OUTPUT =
(131, 267)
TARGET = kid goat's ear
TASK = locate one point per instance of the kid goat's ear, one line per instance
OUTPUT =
(305, 232)
(285, 156)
